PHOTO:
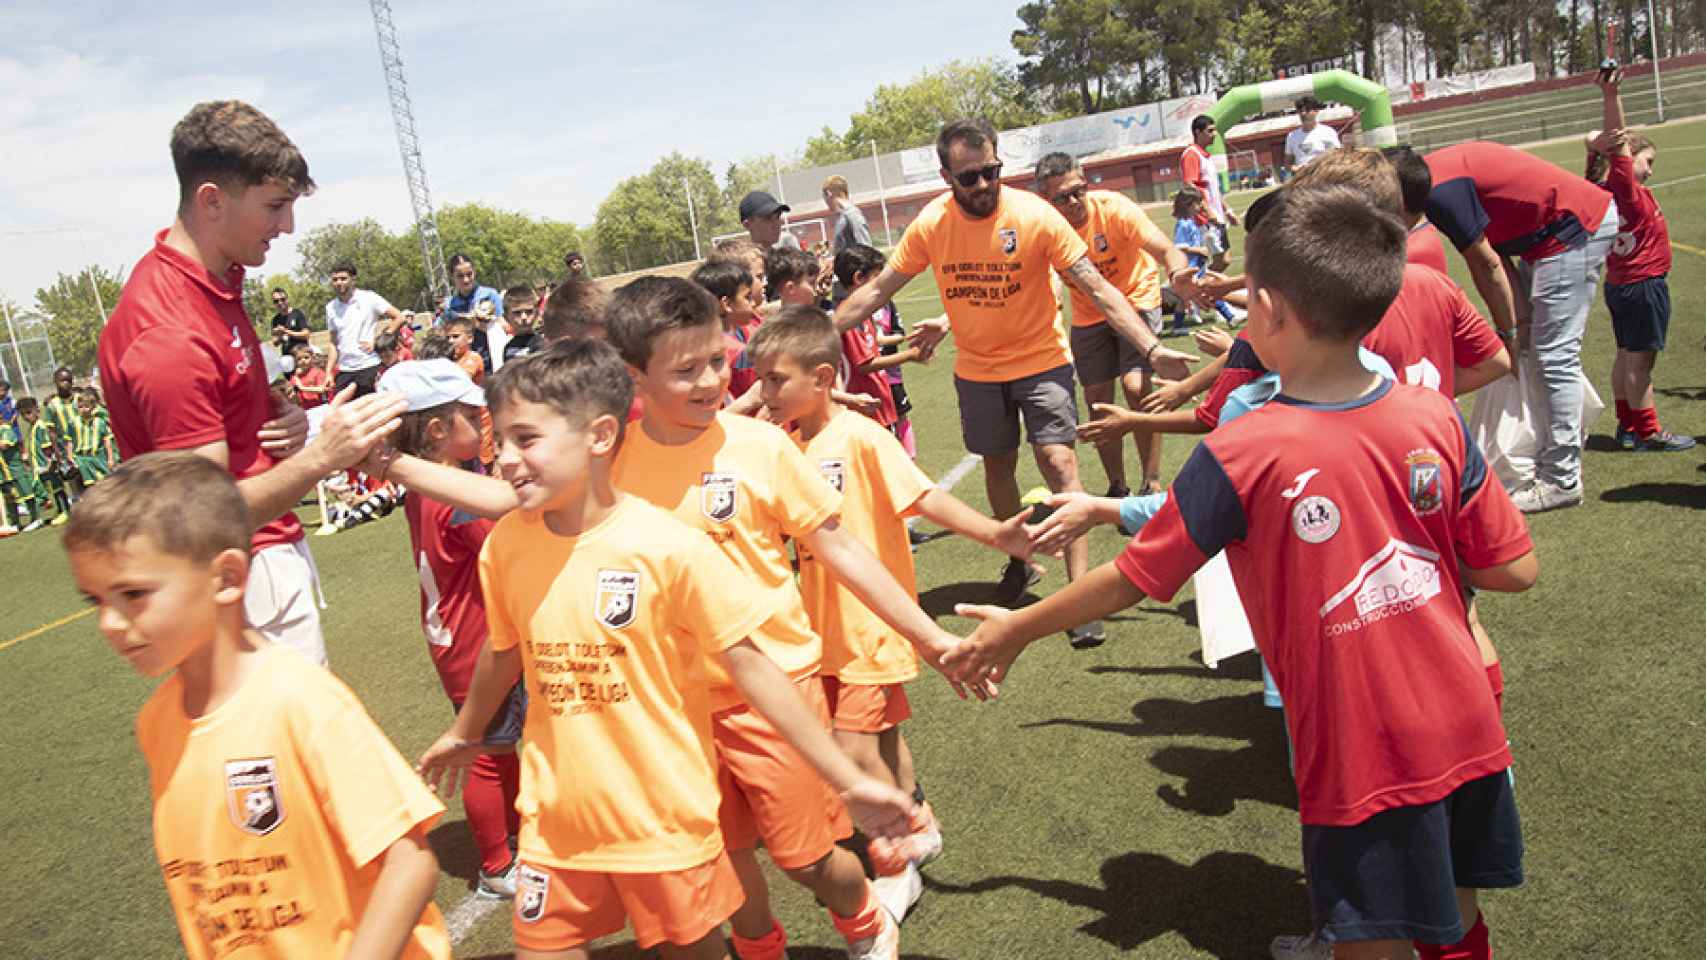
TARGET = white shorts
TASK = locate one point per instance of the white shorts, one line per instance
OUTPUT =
(282, 599)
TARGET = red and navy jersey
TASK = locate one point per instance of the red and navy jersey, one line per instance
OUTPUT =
(1430, 330)
(1344, 525)
(1425, 247)
(445, 543)
(1642, 248)
(1524, 206)
(1242, 366)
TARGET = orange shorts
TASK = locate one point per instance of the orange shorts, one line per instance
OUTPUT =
(558, 909)
(770, 792)
(865, 707)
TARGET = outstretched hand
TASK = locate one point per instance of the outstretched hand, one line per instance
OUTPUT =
(880, 810)
(286, 434)
(354, 425)
(936, 652)
(445, 764)
(986, 655)
(1073, 516)
(1172, 364)
(1112, 422)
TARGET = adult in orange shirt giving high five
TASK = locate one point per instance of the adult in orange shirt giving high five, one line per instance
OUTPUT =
(993, 250)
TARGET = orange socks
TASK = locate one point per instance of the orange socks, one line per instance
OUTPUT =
(771, 946)
(868, 922)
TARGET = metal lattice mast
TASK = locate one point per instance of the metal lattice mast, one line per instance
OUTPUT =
(409, 144)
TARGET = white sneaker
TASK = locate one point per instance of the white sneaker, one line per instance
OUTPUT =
(927, 844)
(1307, 947)
(883, 945)
(1542, 495)
(34, 525)
(498, 886)
(898, 892)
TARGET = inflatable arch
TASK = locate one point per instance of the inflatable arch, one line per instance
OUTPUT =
(1341, 86)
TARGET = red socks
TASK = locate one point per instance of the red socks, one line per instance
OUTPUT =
(771, 946)
(1643, 422)
(1473, 946)
(868, 922)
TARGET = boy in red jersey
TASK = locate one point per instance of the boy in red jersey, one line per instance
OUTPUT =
(1636, 290)
(1351, 510)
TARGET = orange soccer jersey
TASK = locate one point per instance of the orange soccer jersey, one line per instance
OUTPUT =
(615, 628)
(994, 275)
(272, 811)
(747, 485)
(1116, 233)
(879, 484)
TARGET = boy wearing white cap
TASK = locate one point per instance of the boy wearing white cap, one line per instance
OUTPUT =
(443, 425)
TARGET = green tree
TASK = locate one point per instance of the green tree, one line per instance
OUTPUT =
(644, 222)
(76, 315)
(388, 264)
(1083, 46)
(899, 116)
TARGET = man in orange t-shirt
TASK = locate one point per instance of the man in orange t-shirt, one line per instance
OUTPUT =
(1128, 249)
(993, 250)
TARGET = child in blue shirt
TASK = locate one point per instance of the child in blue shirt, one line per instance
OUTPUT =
(1189, 225)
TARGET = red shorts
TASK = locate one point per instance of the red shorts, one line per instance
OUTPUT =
(770, 792)
(864, 707)
(559, 909)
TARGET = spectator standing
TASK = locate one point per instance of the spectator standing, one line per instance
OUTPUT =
(1311, 137)
(289, 324)
(480, 304)
(761, 215)
(355, 318)
(850, 225)
(1198, 168)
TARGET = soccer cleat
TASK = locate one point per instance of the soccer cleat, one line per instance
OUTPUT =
(1117, 491)
(926, 837)
(1541, 495)
(60, 519)
(35, 525)
(1306, 947)
(1087, 635)
(498, 886)
(1625, 438)
(882, 945)
(898, 892)
(1664, 442)
(1014, 579)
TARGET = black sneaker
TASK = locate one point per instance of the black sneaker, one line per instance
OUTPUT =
(916, 536)
(1117, 491)
(1014, 579)
(1088, 635)
(1625, 438)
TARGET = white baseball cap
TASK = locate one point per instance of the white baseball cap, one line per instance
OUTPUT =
(431, 383)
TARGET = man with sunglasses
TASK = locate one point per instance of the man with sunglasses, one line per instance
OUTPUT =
(289, 324)
(1128, 249)
(994, 252)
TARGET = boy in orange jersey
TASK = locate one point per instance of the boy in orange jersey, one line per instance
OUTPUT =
(285, 823)
(750, 489)
(614, 609)
(865, 663)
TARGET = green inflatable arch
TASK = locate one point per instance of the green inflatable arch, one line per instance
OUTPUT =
(1341, 86)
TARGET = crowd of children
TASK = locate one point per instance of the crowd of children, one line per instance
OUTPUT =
(661, 538)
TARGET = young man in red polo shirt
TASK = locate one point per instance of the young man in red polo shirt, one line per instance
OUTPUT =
(182, 368)
(1495, 203)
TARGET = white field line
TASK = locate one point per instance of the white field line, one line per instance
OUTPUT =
(952, 478)
(1672, 183)
(470, 910)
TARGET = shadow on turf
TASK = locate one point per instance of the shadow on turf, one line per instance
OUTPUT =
(1227, 904)
(1214, 780)
(1245, 666)
(1691, 495)
(453, 844)
(940, 602)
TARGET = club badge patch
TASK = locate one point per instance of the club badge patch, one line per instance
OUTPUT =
(252, 796)
(1425, 470)
(618, 593)
(1315, 519)
(718, 495)
(835, 471)
(1009, 240)
(531, 886)
(1101, 240)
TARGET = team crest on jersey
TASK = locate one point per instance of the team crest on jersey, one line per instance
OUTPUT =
(531, 886)
(1101, 241)
(1315, 519)
(835, 471)
(1425, 472)
(252, 796)
(718, 495)
(1009, 240)
(618, 595)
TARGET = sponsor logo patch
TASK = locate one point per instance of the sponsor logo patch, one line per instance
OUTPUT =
(1101, 241)
(252, 796)
(618, 595)
(717, 495)
(1425, 470)
(1315, 519)
(835, 471)
(531, 886)
(1009, 240)
(1399, 578)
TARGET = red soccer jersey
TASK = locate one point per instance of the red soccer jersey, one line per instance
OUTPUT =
(446, 545)
(1523, 205)
(1426, 248)
(859, 346)
(1344, 525)
(1642, 248)
(1430, 330)
(1242, 366)
(180, 368)
(312, 377)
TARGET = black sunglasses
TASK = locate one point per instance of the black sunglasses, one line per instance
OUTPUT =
(1070, 196)
(969, 179)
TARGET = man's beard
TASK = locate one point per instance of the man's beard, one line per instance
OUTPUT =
(978, 203)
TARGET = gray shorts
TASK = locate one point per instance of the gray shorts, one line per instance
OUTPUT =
(1101, 355)
(990, 412)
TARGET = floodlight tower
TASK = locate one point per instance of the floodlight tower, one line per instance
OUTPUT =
(409, 144)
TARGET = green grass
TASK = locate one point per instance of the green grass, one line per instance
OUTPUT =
(1124, 801)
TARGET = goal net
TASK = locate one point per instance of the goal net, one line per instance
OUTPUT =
(1244, 170)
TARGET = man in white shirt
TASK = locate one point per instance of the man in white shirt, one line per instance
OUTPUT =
(1312, 138)
(355, 319)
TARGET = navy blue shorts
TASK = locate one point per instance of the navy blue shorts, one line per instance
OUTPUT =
(1395, 875)
(1640, 314)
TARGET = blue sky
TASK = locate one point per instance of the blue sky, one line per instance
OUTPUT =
(534, 106)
